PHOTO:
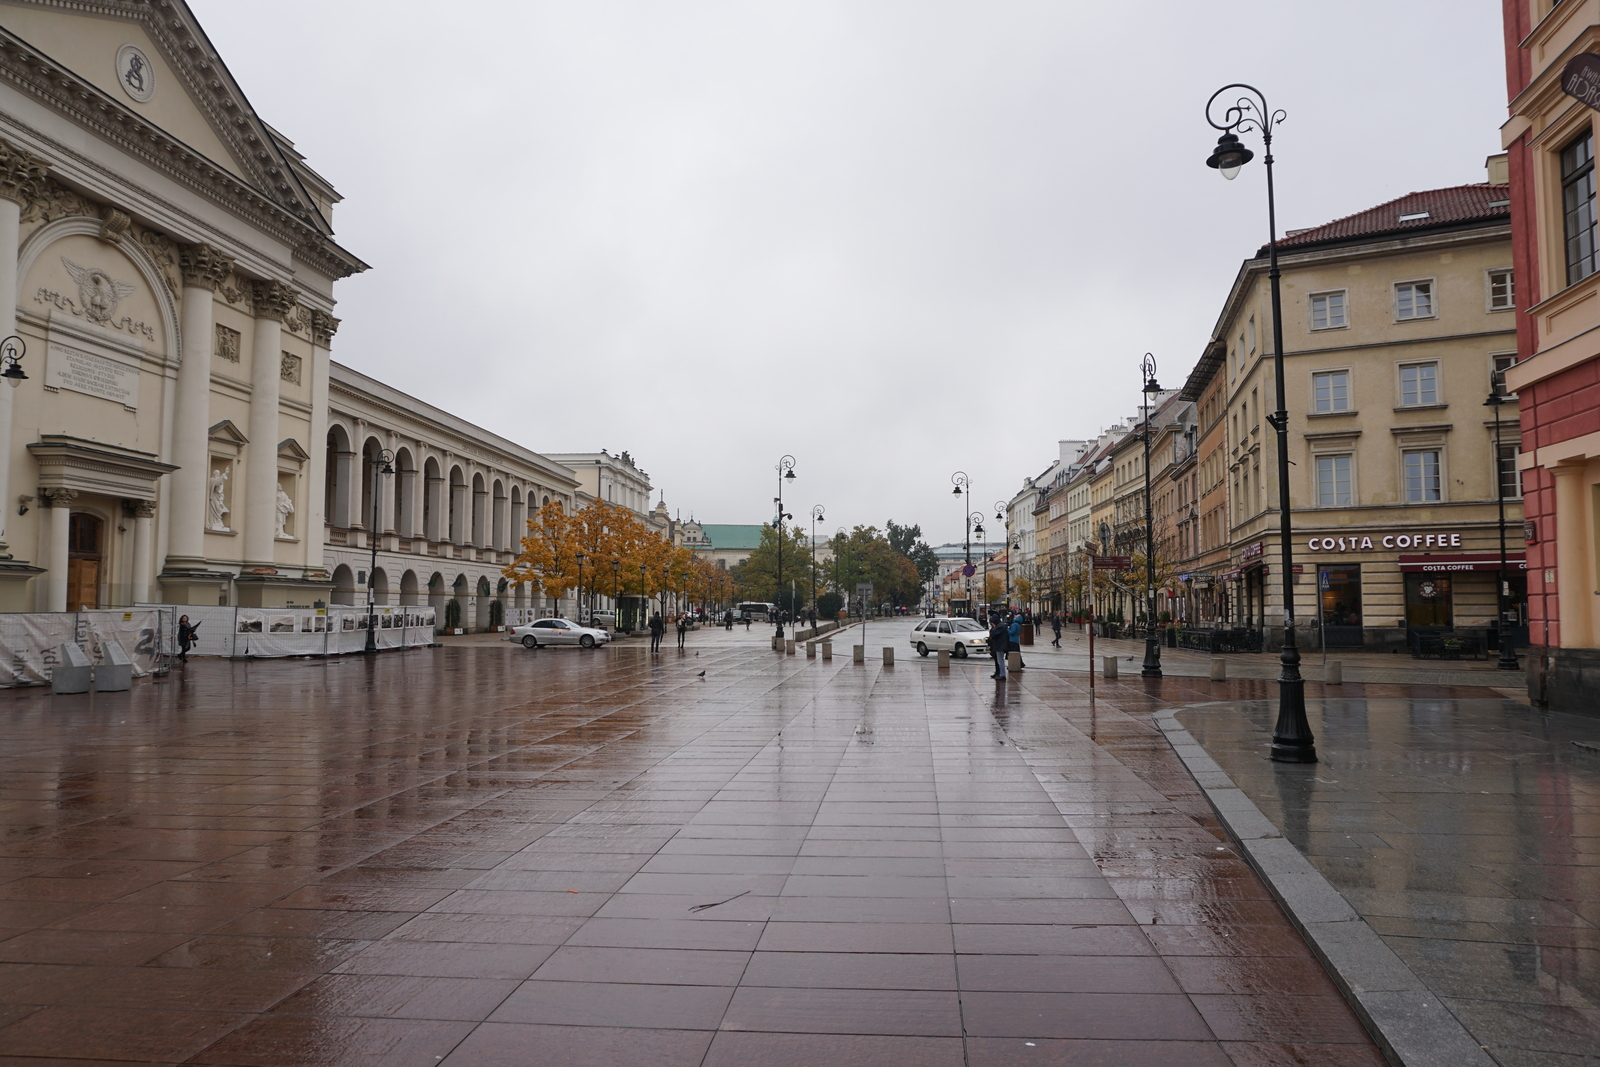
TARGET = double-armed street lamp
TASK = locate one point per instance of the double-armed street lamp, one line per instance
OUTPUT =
(963, 484)
(785, 469)
(816, 517)
(382, 463)
(1292, 741)
(1152, 638)
(1508, 654)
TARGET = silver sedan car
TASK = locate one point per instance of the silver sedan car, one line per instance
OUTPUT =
(959, 636)
(558, 632)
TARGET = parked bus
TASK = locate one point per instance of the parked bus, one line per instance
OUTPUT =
(760, 610)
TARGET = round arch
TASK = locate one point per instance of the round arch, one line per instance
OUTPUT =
(344, 585)
(408, 588)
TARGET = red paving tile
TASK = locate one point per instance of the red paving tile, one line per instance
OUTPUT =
(426, 860)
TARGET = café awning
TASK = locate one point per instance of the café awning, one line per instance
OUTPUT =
(1462, 561)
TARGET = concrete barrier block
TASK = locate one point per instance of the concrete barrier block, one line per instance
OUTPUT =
(1219, 669)
(1333, 674)
(1013, 661)
(827, 650)
(1108, 666)
(858, 653)
(72, 671)
(944, 659)
(788, 648)
(811, 650)
(888, 656)
(115, 672)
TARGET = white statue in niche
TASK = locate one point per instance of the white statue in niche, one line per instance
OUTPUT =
(216, 502)
(285, 508)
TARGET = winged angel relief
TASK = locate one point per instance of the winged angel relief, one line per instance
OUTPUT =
(98, 292)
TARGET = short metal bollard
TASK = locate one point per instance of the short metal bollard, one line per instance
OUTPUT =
(858, 653)
(944, 659)
(1108, 666)
(1219, 669)
(1333, 674)
(811, 650)
(1013, 661)
(888, 656)
(72, 671)
(788, 648)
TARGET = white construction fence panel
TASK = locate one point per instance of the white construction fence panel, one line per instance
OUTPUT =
(274, 632)
(30, 642)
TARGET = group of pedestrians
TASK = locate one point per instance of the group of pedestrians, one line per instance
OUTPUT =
(1005, 636)
(658, 629)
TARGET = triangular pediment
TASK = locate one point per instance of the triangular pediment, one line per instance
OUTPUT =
(61, 50)
(289, 448)
(228, 433)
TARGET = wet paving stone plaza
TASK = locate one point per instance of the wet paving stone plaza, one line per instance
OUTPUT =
(483, 855)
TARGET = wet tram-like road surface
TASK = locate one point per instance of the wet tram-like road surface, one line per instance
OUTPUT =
(480, 856)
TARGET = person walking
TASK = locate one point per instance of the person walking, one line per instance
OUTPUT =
(1055, 628)
(187, 637)
(1014, 639)
(999, 642)
(683, 628)
(658, 626)
(727, 619)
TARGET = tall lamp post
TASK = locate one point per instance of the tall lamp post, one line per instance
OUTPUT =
(1508, 655)
(1291, 737)
(785, 469)
(1152, 638)
(816, 517)
(1003, 514)
(578, 600)
(381, 464)
(963, 484)
(616, 593)
(644, 593)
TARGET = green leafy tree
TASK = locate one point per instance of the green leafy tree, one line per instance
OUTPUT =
(867, 556)
(907, 540)
(758, 577)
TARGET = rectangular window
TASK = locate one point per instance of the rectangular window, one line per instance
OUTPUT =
(1333, 482)
(1331, 391)
(1423, 484)
(1500, 363)
(1510, 477)
(1419, 384)
(1413, 300)
(1252, 333)
(1339, 589)
(1577, 206)
(1327, 311)
(1502, 291)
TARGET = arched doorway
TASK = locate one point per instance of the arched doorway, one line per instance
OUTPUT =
(344, 585)
(408, 588)
(84, 536)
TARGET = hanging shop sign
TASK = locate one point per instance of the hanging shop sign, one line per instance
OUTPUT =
(1580, 79)
(1362, 544)
(1462, 561)
(1252, 551)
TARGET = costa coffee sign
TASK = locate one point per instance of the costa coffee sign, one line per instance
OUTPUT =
(1359, 544)
(1580, 79)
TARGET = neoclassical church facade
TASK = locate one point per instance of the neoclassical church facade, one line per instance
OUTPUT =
(177, 431)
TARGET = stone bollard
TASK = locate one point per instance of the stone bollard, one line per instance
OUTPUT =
(1219, 669)
(788, 648)
(115, 673)
(811, 650)
(1333, 674)
(944, 659)
(1013, 661)
(858, 653)
(888, 656)
(1108, 667)
(827, 650)
(72, 671)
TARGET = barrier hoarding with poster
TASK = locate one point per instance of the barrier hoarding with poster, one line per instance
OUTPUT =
(274, 632)
(30, 642)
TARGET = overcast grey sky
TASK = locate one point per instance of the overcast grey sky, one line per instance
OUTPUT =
(893, 238)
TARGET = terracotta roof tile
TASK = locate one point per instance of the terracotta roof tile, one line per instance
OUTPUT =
(1414, 211)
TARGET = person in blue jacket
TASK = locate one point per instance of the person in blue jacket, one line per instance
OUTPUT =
(1014, 634)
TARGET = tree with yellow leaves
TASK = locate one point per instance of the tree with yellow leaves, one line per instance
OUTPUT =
(602, 533)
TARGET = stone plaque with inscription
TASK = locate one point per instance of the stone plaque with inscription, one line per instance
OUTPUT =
(84, 372)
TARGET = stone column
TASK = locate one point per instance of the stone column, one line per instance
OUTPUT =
(312, 532)
(204, 268)
(21, 174)
(143, 514)
(408, 521)
(59, 501)
(437, 528)
(273, 301)
(1573, 550)
(388, 514)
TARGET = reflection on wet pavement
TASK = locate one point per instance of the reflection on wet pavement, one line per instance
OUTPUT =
(481, 855)
(1467, 833)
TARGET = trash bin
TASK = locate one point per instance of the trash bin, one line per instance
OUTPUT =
(1027, 633)
(1172, 637)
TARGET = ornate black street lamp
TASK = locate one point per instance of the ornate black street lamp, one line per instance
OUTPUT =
(816, 517)
(644, 593)
(1003, 514)
(616, 593)
(785, 469)
(12, 349)
(578, 600)
(1291, 737)
(1152, 637)
(1508, 654)
(976, 520)
(963, 484)
(381, 464)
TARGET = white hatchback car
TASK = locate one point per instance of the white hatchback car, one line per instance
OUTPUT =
(558, 632)
(959, 636)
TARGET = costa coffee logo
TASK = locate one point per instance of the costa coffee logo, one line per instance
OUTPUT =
(1357, 544)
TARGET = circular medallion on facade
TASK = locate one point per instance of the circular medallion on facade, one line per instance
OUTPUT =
(135, 74)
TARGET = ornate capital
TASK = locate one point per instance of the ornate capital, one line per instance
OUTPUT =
(203, 266)
(21, 173)
(273, 300)
(57, 498)
(139, 509)
(323, 327)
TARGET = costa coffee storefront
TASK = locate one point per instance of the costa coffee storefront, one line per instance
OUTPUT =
(1373, 588)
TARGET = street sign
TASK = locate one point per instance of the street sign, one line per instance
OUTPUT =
(968, 571)
(1111, 563)
(864, 588)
